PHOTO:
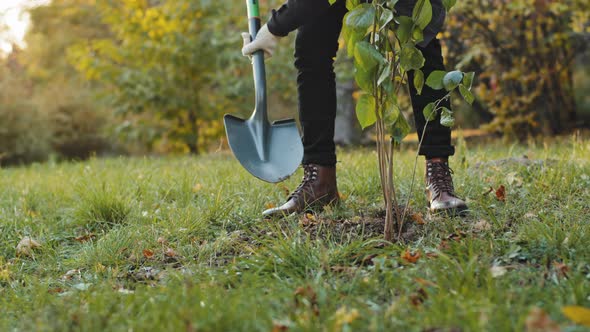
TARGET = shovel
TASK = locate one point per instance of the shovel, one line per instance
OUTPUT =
(270, 152)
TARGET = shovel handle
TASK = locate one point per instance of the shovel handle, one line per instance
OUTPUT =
(254, 24)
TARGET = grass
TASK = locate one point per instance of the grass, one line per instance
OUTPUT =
(178, 244)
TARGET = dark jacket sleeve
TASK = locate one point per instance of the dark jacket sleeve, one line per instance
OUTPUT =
(295, 13)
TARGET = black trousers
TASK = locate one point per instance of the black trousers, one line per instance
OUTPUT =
(315, 49)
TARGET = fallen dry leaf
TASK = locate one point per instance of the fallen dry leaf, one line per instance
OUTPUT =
(418, 218)
(579, 315)
(345, 316)
(342, 196)
(170, 253)
(416, 299)
(539, 321)
(306, 295)
(279, 327)
(197, 187)
(85, 237)
(561, 269)
(71, 274)
(285, 189)
(147, 253)
(514, 180)
(162, 240)
(411, 257)
(56, 290)
(498, 271)
(425, 282)
(444, 245)
(26, 246)
(270, 206)
(481, 226)
(501, 193)
(308, 219)
(457, 236)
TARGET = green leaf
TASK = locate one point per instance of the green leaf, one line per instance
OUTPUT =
(386, 18)
(352, 37)
(365, 110)
(452, 79)
(429, 112)
(468, 80)
(449, 4)
(367, 57)
(446, 117)
(350, 4)
(361, 17)
(418, 80)
(385, 74)
(332, 2)
(404, 29)
(400, 129)
(411, 57)
(417, 34)
(435, 79)
(422, 16)
(364, 80)
(467, 95)
(391, 111)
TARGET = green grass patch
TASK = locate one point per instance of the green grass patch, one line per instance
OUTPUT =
(179, 244)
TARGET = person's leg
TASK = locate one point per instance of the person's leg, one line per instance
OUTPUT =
(315, 49)
(437, 138)
(436, 145)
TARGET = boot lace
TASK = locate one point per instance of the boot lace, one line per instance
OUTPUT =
(310, 174)
(439, 178)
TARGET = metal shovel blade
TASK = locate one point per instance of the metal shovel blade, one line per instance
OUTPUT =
(270, 152)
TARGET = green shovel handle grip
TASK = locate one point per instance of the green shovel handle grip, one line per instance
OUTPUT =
(253, 9)
(260, 113)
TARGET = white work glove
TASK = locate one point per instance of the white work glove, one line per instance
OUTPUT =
(265, 41)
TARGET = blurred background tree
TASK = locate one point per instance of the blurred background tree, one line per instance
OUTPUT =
(172, 68)
(156, 76)
(525, 53)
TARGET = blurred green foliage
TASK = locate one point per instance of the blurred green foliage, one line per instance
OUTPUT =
(156, 76)
(171, 69)
(524, 52)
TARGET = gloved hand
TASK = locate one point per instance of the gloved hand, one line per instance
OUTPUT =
(265, 41)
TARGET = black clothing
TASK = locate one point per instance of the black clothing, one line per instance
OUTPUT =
(315, 49)
(296, 13)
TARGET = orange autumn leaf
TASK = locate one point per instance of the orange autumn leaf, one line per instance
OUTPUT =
(538, 320)
(85, 237)
(411, 257)
(501, 193)
(418, 219)
(342, 196)
(561, 268)
(147, 253)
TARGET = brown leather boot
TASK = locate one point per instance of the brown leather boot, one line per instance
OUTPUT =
(439, 188)
(318, 188)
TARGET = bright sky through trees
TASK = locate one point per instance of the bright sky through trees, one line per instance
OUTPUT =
(11, 16)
